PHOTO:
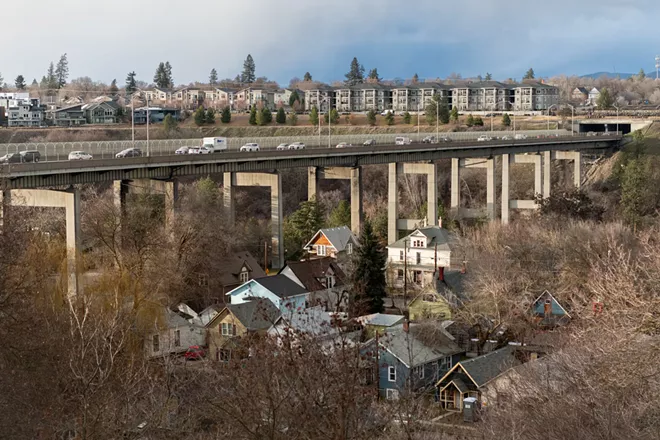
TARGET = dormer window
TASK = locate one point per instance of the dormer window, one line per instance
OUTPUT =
(244, 276)
(418, 243)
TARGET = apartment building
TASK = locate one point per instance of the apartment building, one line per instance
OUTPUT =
(535, 97)
(483, 95)
(25, 114)
(322, 98)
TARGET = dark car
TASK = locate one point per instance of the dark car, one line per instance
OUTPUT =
(429, 140)
(31, 156)
(369, 142)
(11, 158)
(194, 353)
(445, 139)
(129, 152)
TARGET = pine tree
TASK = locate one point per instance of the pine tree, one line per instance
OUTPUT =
(415, 79)
(454, 114)
(169, 124)
(506, 120)
(635, 192)
(213, 77)
(131, 84)
(389, 118)
(302, 224)
(280, 118)
(489, 77)
(199, 116)
(469, 121)
(267, 115)
(641, 75)
(248, 76)
(371, 117)
(529, 74)
(51, 80)
(113, 87)
(225, 117)
(369, 284)
(407, 117)
(292, 119)
(307, 77)
(168, 75)
(604, 100)
(341, 215)
(294, 97)
(356, 74)
(160, 77)
(334, 116)
(373, 75)
(253, 116)
(314, 116)
(62, 71)
(210, 116)
(34, 82)
(19, 82)
(478, 122)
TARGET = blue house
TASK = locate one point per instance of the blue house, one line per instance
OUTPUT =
(410, 357)
(284, 293)
(547, 311)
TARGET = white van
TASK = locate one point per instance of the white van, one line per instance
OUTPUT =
(520, 136)
(215, 144)
(402, 140)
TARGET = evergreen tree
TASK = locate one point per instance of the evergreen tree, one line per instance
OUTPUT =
(529, 74)
(292, 119)
(34, 82)
(248, 76)
(489, 77)
(210, 116)
(369, 284)
(280, 118)
(302, 224)
(307, 77)
(506, 120)
(199, 116)
(62, 71)
(454, 114)
(213, 77)
(225, 117)
(415, 79)
(19, 82)
(169, 124)
(373, 75)
(444, 111)
(168, 75)
(314, 116)
(253, 116)
(160, 77)
(113, 87)
(635, 192)
(407, 117)
(334, 116)
(356, 74)
(267, 115)
(371, 117)
(469, 121)
(389, 118)
(478, 122)
(641, 75)
(51, 80)
(1, 80)
(341, 215)
(294, 97)
(604, 100)
(131, 84)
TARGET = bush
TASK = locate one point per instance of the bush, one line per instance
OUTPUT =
(407, 118)
(478, 121)
(200, 116)
(210, 116)
(469, 121)
(253, 116)
(371, 117)
(280, 118)
(225, 117)
(293, 119)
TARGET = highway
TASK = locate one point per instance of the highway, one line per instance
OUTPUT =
(63, 173)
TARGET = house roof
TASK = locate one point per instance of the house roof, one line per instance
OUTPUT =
(313, 321)
(380, 319)
(434, 234)
(70, 107)
(483, 369)
(338, 237)
(174, 320)
(423, 343)
(582, 90)
(281, 285)
(310, 271)
(232, 265)
(552, 298)
(255, 315)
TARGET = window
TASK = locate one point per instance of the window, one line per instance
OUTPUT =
(329, 281)
(227, 329)
(224, 355)
(392, 394)
(419, 371)
(202, 280)
(155, 342)
(418, 258)
(349, 248)
(401, 255)
(391, 374)
(244, 276)
(445, 363)
(177, 338)
(321, 250)
(399, 274)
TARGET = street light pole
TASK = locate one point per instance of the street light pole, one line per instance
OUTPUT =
(617, 119)
(133, 120)
(437, 120)
(148, 150)
(549, 108)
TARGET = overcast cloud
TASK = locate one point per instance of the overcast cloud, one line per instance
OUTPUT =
(105, 40)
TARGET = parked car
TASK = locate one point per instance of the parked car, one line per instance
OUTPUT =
(402, 140)
(343, 145)
(31, 156)
(429, 140)
(11, 158)
(283, 146)
(369, 143)
(297, 146)
(484, 138)
(250, 147)
(520, 136)
(182, 150)
(80, 155)
(129, 152)
(387, 112)
(591, 133)
(200, 150)
(194, 353)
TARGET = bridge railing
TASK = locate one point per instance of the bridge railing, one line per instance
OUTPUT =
(55, 151)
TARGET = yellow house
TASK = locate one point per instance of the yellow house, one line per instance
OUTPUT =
(236, 321)
(429, 305)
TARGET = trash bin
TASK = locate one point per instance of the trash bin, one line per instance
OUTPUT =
(470, 409)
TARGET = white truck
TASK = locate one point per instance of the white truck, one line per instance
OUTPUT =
(215, 144)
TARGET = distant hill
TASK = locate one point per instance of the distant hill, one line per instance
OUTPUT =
(608, 75)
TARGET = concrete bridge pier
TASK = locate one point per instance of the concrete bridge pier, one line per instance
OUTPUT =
(315, 174)
(507, 204)
(273, 180)
(394, 223)
(168, 188)
(456, 165)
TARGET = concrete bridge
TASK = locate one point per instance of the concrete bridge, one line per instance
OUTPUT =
(25, 184)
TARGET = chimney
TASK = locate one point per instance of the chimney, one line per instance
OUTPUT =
(441, 273)
(406, 325)
(547, 308)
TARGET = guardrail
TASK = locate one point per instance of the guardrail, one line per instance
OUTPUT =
(56, 151)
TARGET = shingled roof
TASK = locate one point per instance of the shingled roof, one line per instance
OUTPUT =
(255, 315)
(309, 272)
(483, 369)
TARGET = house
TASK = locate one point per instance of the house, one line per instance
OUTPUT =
(287, 295)
(315, 323)
(172, 334)
(379, 323)
(474, 377)
(594, 94)
(409, 357)
(338, 243)
(25, 114)
(67, 116)
(101, 112)
(236, 321)
(580, 95)
(547, 311)
(424, 254)
(238, 269)
(323, 279)
(158, 94)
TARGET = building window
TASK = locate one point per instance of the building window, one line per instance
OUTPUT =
(418, 258)
(399, 274)
(244, 276)
(401, 255)
(202, 280)
(329, 281)
(392, 394)
(349, 248)
(321, 250)
(419, 371)
(227, 329)
(224, 355)
(445, 363)
(391, 374)
(155, 342)
(177, 338)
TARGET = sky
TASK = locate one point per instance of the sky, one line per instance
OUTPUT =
(433, 38)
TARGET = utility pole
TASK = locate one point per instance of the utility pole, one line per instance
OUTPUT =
(133, 120)
(405, 273)
(266, 257)
(377, 366)
(148, 127)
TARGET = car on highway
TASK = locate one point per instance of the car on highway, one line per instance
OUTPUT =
(591, 133)
(129, 152)
(11, 158)
(506, 138)
(297, 146)
(445, 139)
(283, 146)
(31, 156)
(251, 146)
(429, 140)
(520, 136)
(344, 145)
(80, 155)
(182, 150)
(369, 143)
(194, 353)
(484, 138)
(402, 140)
(199, 150)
